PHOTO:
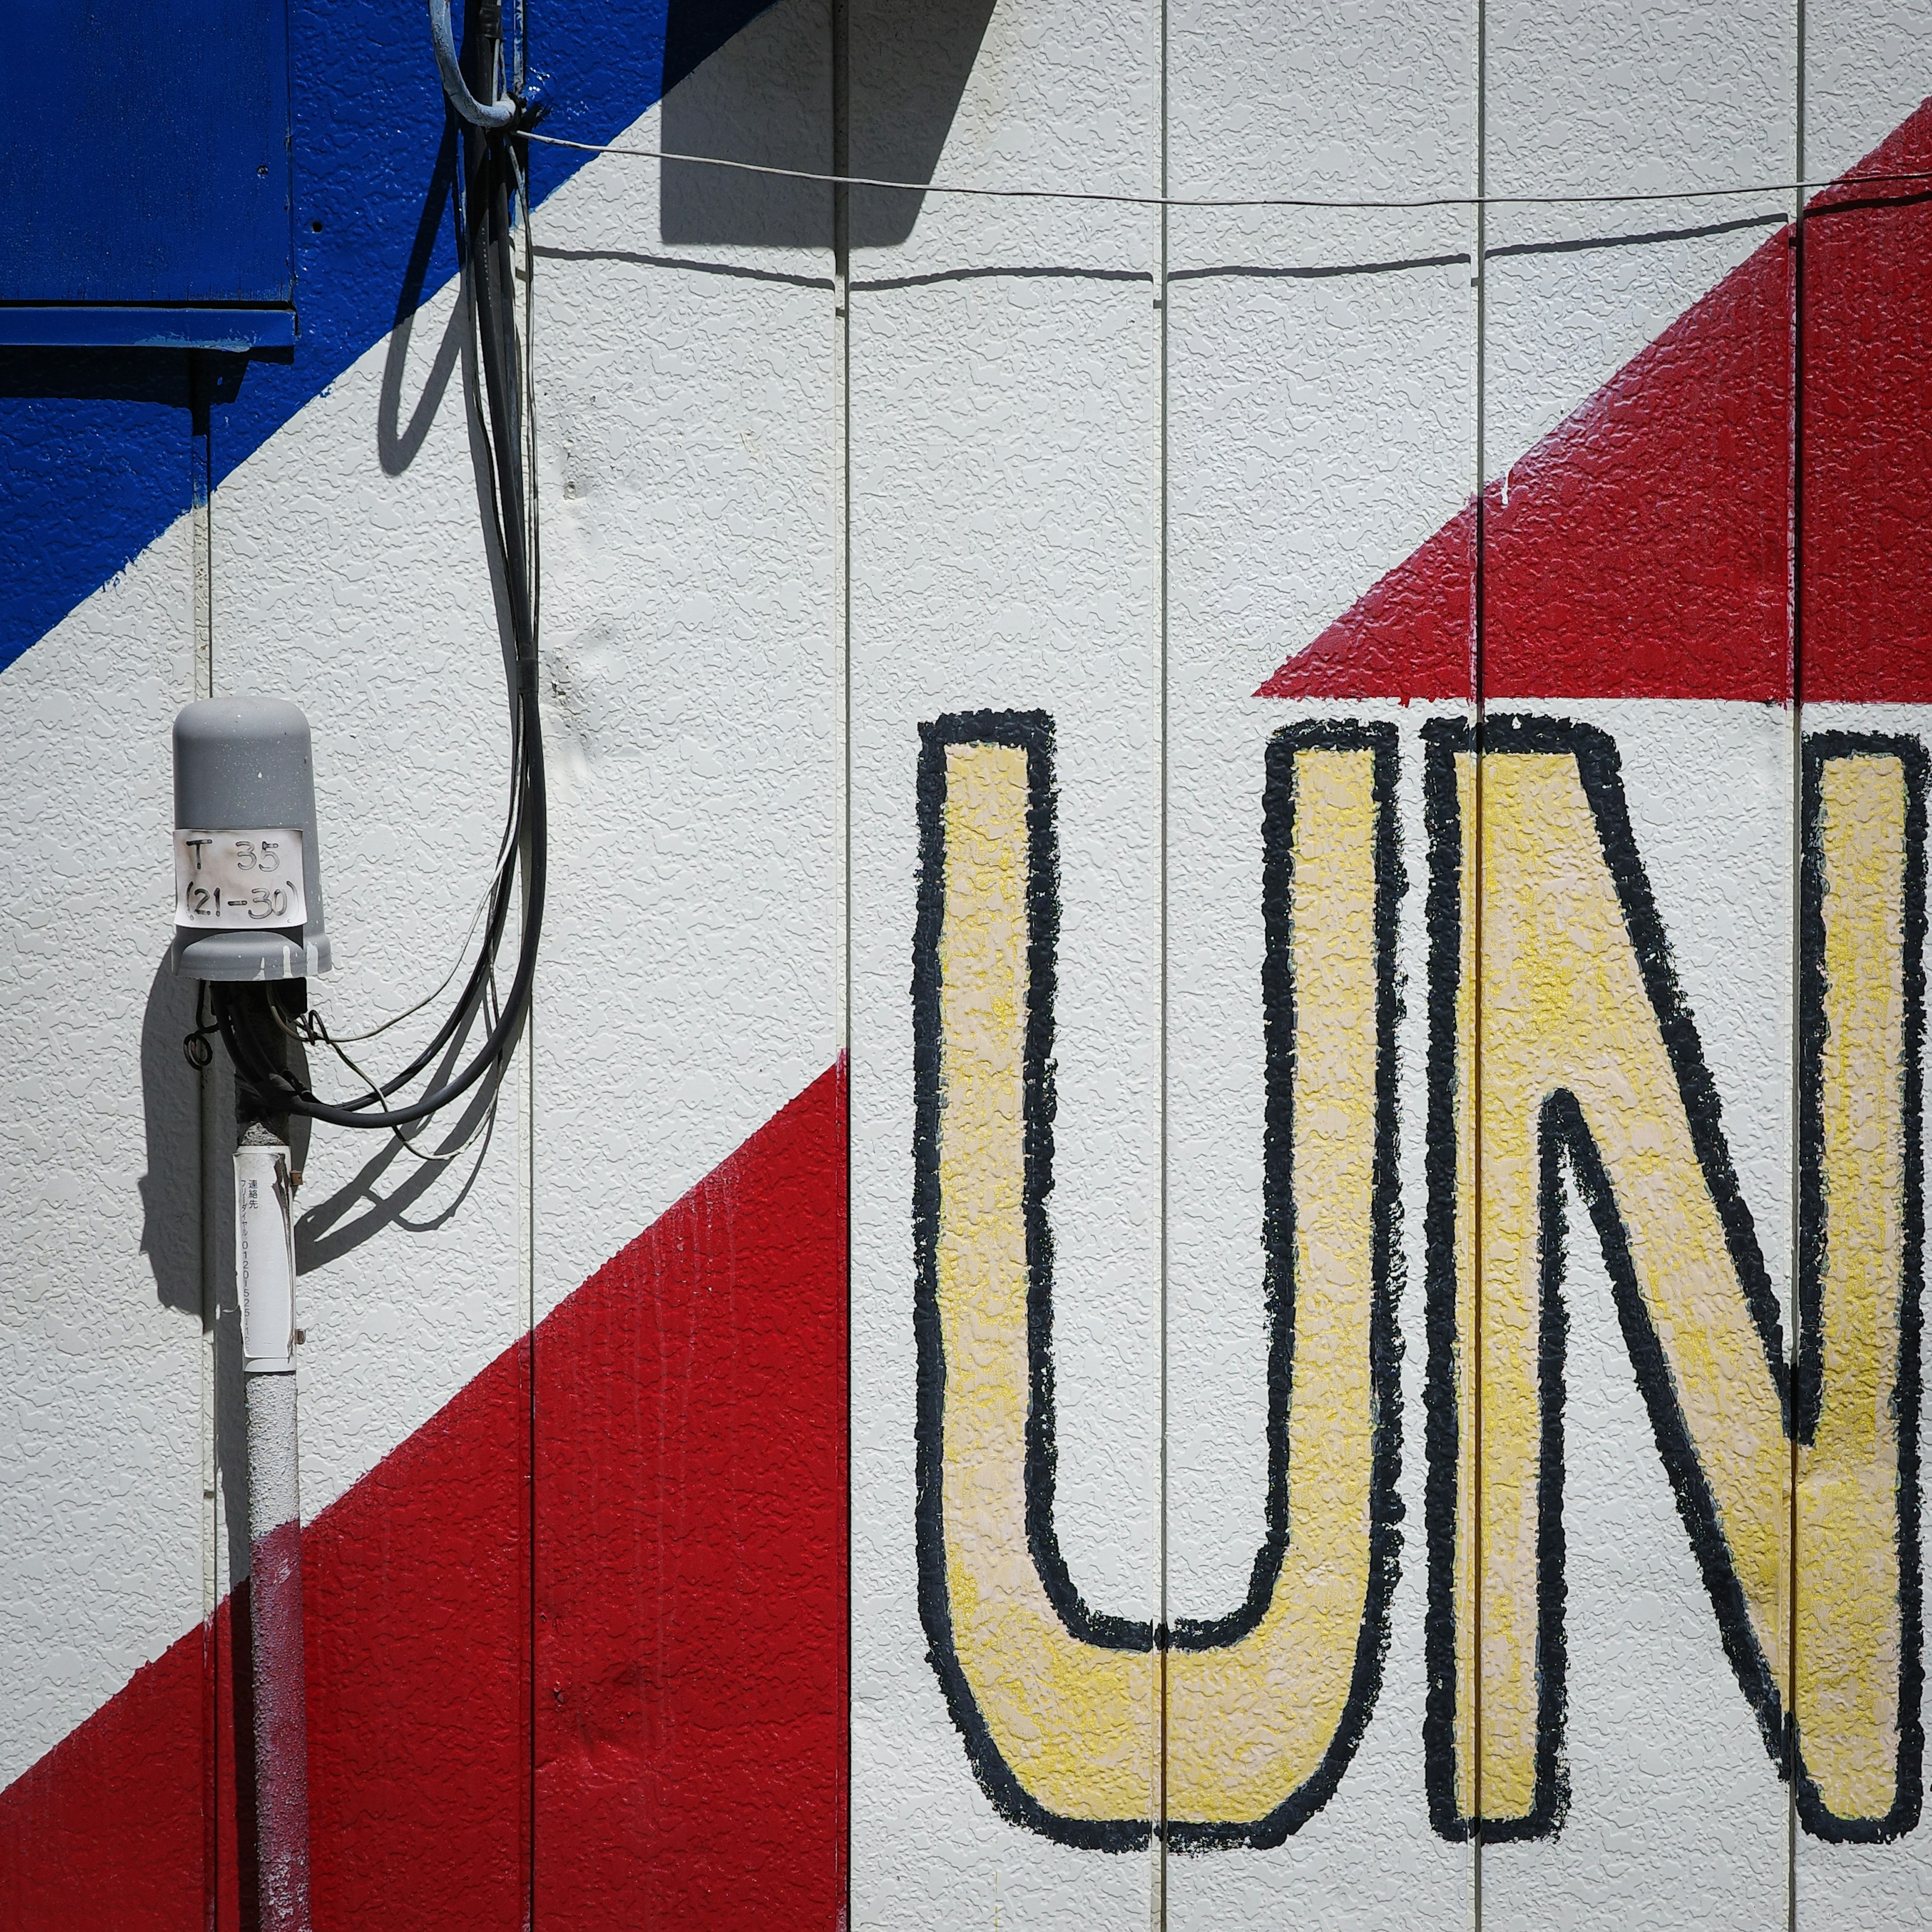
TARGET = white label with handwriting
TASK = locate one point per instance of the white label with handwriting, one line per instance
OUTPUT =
(252, 877)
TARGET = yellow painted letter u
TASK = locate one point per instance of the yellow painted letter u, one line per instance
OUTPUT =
(1060, 1706)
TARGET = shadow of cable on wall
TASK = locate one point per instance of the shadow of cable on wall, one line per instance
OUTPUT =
(766, 98)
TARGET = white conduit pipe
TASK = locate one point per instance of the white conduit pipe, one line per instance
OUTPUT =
(265, 1266)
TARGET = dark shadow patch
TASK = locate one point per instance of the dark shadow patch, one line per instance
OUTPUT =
(766, 98)
(397, 442)
(165, 376)
(171, 1189)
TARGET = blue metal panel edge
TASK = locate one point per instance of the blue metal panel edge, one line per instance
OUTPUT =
(145, 150)
(98, 458)
(120, 325)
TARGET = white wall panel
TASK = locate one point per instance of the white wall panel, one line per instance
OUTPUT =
(1002, 504)
(1864, 1886)
(1320, 427)
(684, 414)
(102, 1523)
(686, 419)
(1622, 99)
(1675, 1813)
(1868, 67)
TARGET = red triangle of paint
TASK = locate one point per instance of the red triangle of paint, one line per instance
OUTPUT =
(655, 1692)
(1642, 548)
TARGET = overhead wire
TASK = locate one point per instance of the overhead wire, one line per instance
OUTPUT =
(493, 209)
(1318, 203)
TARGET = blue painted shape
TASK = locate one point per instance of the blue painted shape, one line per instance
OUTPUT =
(97, 450)
(233, 331)
(373, 239)
(146, 151)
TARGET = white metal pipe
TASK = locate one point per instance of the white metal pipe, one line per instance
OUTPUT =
(265, 1269)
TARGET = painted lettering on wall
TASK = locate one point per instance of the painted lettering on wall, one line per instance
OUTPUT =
(1562, 1056)
(1060, 1704)
(1586, 1059)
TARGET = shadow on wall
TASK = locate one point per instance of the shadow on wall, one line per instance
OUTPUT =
(183, 1251)
(171, 1109)
(766, 98)
(397, 443)
(391, 1188)
(164, 377)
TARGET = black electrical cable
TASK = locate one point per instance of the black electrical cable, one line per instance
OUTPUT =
(492, 172)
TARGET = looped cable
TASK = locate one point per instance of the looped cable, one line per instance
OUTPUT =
(492, 114)
(195, 1047)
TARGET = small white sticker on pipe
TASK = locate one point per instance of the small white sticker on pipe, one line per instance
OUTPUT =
(244, 878)
(264, 1258)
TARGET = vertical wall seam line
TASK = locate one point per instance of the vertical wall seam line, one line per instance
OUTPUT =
(201, 596)
(1163, 325)
(1480, 254)
(839, 22)
(1795, 671)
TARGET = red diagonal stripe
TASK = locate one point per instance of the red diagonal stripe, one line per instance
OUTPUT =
(1642, 548)
(688, 1736)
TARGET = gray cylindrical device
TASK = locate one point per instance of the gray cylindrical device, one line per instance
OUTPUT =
(248, 880)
